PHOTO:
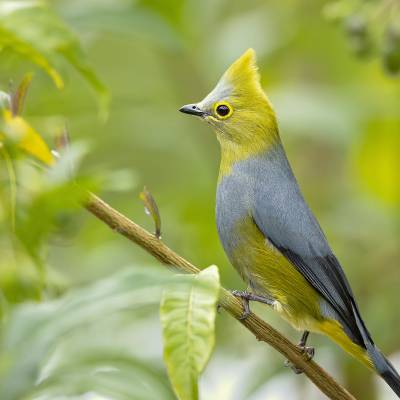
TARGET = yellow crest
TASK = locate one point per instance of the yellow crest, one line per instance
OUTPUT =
(243, 73)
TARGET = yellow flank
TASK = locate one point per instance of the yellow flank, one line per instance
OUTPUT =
(269, 273)
(334, 330)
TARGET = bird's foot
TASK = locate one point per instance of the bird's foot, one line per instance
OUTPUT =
(246, 297)
(308, 353)
(245, 302)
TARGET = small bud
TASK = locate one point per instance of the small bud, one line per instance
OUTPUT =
(18, 97)
(62, 140)
(151, 208)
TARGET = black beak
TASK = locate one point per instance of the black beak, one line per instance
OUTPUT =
(192, 109)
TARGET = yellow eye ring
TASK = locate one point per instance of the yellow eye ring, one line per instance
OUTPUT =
(223, 110)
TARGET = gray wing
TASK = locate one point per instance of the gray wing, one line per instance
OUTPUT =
(282, 215)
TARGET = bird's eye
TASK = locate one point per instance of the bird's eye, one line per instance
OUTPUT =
(223, 110)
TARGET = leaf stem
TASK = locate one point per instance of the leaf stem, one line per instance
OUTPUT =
(13, 184)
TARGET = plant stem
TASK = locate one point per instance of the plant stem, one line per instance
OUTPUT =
(261, 330)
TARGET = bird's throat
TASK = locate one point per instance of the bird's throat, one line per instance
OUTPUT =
(232, 152)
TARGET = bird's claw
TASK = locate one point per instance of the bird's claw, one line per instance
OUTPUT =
(244, 296)
(240, 293)
(246, 310)
(308, 352)
(247, 297)
(295, 369)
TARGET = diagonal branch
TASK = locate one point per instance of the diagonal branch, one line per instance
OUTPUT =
(261, 330)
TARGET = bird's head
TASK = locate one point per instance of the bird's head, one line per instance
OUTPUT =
(237, 107)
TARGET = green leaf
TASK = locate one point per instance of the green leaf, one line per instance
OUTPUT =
(45, 213)
(117, 376)
(28, 51)
(26, 138)
(73, 345)
(39, 35)
(188, 316)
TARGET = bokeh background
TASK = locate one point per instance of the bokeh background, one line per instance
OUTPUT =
(329, 69)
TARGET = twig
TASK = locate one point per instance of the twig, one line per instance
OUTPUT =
(261, 330)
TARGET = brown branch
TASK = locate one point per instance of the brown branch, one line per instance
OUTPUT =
(261, 330)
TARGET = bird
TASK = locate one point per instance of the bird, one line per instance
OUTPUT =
(266, 228)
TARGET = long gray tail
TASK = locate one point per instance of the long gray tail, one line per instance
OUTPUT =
(384, 368)
(382, 365)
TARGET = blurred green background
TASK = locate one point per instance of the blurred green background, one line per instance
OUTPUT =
(328, 67)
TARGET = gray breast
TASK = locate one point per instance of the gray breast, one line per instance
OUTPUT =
(263, 185)
(235, 200)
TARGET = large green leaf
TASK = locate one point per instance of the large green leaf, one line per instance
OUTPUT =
(71, 346)
(188, 317)
(111, 374)
(36, 33)
(27, 50)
